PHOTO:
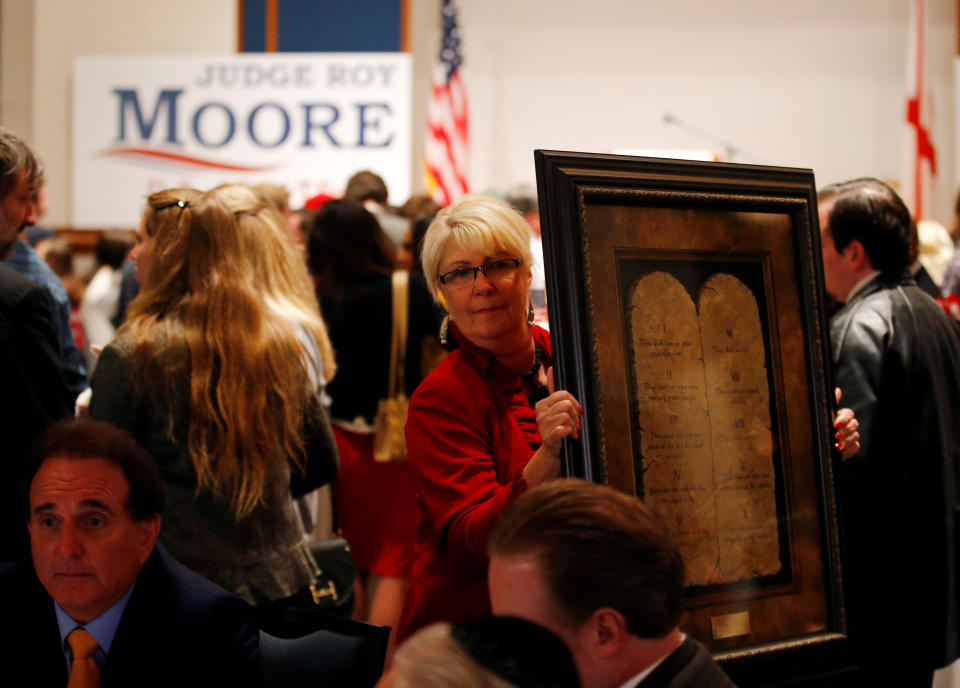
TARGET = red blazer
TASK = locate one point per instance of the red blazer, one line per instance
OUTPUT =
(470, 433)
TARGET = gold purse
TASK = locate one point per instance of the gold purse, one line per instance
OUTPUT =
(389, 442)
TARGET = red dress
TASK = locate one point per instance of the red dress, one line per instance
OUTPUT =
(375, 506)
(470, 433)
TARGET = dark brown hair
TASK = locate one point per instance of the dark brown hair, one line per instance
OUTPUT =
(93, 439)
(345, 247)
(597, 547)
(869, 211)
(366, 186)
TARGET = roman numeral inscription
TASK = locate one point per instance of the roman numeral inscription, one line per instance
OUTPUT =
(704, 409)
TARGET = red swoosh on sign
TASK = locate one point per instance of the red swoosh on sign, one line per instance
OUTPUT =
(184, 159)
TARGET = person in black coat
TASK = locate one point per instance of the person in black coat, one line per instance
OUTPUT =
(96, 571)
(34, 392)
(896, 355)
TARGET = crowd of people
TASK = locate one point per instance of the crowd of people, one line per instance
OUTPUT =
(240, 357)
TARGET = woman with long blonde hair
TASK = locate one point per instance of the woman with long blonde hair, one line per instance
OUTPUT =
(281, 272)
(223, 393)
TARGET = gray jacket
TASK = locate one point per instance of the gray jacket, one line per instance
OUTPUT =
(260, 557)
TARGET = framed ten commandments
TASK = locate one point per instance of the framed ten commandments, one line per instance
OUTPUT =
(686, 311)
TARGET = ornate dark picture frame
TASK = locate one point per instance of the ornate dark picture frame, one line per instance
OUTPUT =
(665, 278)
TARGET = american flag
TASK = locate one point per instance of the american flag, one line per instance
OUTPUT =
(445, 149)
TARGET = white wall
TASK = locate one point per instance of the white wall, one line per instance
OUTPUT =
(39, 108)
(818, 84)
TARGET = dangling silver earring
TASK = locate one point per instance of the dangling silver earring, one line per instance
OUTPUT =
(531, 316)
(445, 330)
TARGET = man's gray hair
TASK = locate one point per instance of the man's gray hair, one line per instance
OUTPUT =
(16, 155)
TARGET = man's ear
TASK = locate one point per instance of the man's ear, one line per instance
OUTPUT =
(149, 530)
(856, 256)
(607, 631)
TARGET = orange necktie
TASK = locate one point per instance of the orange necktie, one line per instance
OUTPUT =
(84, 673)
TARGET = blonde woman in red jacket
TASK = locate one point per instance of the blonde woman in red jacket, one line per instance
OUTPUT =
(483, 426)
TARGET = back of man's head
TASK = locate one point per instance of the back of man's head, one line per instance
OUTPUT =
(112, 248)
(869, 211)
(597, 547)
(366, 186)
(16, 156)
(93, 439)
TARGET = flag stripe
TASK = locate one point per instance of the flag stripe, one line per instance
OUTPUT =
(446, 149)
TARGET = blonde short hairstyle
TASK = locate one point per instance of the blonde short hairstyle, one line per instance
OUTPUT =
(432, 658)
(476, 222)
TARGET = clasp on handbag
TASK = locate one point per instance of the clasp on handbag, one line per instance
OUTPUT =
(328, 590)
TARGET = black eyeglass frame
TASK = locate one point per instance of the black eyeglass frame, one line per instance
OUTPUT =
(479, 268)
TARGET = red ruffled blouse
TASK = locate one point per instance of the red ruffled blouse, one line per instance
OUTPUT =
(470, 432)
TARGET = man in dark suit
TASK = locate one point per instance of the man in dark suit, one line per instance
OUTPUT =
(21, 181)
(33, 390)
(621, 626)
(896, 355)
(99, 598)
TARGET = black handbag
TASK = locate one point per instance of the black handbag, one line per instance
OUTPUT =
(332, 591)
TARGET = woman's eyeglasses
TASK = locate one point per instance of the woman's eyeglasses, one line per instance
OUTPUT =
(495, 271)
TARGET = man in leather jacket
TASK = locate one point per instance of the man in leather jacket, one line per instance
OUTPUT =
(896, 355)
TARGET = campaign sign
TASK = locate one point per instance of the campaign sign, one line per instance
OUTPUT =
(307, 121)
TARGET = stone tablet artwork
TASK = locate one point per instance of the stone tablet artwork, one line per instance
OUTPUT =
(704, 413)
